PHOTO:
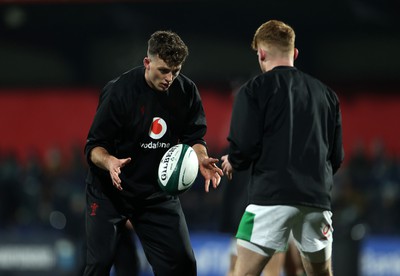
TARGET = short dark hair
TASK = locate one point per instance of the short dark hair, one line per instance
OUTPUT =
(169, 47)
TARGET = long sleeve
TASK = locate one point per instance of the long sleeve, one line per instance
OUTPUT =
(245, 130)
(337, 155)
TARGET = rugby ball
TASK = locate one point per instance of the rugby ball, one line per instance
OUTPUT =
(178, 169)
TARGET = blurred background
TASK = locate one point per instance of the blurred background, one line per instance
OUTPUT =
(55, 56)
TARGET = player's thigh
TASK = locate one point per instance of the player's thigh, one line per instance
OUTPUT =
(293, 264)
(275, 264)
(232, 263)
(103, 223)
(164, 235)
(323, 268)
(232, 256)
(251, 259)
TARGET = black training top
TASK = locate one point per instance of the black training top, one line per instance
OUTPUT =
(286, 125)
(133, 120)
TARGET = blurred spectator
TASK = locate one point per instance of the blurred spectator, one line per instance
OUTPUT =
(384, 203)
(10, 185)
(367, 191)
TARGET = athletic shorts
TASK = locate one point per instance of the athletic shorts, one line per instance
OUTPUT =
(270, 227)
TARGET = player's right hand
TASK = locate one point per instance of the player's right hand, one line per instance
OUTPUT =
(114, 167)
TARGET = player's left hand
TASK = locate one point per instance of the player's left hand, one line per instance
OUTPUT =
(227, 167)
(210, 172)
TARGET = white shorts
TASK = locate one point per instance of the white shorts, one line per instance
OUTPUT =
(270, 227)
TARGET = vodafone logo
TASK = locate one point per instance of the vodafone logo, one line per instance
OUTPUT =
(157, 128)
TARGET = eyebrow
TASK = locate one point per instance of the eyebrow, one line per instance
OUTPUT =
(169, 69)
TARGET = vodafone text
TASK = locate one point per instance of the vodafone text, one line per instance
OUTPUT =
(155, 145)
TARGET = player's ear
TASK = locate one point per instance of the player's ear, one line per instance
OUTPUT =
(261, 54)
(146, 62)
(296, 53)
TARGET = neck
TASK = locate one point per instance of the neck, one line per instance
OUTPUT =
(270, 64)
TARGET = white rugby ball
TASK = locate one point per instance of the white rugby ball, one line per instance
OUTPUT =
(178, 169)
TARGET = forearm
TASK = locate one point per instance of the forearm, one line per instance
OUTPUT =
(99, 156)
(201, 152)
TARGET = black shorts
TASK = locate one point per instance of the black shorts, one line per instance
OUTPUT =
(160, 226)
